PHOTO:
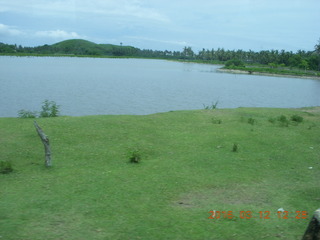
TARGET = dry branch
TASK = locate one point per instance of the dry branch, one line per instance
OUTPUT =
(45, 141)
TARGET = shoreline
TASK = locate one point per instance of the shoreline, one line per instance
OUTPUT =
(310, 109)
(236, 71)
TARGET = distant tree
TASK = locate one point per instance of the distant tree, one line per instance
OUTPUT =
(317, 47)
(188, 53)
(295, 60)
(234, 63)
(313, 62)
(273, 65)
(304, 64)
(6, 48)
(317, 50)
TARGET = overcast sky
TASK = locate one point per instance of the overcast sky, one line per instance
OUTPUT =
(164, 24)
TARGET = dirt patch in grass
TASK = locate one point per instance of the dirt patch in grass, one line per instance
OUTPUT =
(237, 194)
(315, 110)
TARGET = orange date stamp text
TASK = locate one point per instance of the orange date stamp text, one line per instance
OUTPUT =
(258, 214)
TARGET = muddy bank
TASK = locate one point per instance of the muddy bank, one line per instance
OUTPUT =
(235, 71)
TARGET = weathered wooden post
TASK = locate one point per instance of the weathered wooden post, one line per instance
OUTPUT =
(45, 141)
(313, 230)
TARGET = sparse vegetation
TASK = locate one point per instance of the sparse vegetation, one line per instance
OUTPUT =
(285, 122)
(49, 109)
(27, 114)
(212, 106)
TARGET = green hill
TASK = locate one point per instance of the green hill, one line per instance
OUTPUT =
(189, 167)
(84, 47)
(78, 47)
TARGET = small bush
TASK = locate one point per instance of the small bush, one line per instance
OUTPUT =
(284, 122)
(27, 114)
(5, 167)
(296, 118)
(234, 63)
(311, 126)
(251, 121)
(272, 120)
(216, 121)
(49, 109)
(235, 147)
(134, 156)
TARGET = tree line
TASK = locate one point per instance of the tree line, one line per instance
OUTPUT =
(273, 58)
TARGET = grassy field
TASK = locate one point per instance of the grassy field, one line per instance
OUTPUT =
(187, 168)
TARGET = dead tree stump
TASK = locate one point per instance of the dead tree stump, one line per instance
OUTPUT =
(46, 144)
(313, 230)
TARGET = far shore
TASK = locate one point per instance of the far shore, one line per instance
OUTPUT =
(235, 71)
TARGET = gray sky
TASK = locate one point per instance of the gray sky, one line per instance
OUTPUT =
(165, 24)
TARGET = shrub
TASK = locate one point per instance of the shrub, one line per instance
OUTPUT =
(216, 121)
(284, 122)
(296, 118)
(311, 126)
(49, 109)
(5, 167)
(27, 114)
(135, 156)
(251, 121)
(235, 147)
(234, 63)
(272, 120)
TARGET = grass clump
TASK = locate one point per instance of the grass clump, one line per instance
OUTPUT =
(251, 121)
(134, 156)
(272, 120)
(296, 118)
(235, 147)
(216, 121)
(283, 120)
(5, 167)
(212, 106)
(311, 126)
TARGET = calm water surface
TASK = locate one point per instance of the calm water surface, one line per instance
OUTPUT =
(90, 86)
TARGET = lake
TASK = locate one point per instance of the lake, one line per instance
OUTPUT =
(91, 86)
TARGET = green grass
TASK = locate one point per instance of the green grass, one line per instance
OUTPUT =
(187, 169)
